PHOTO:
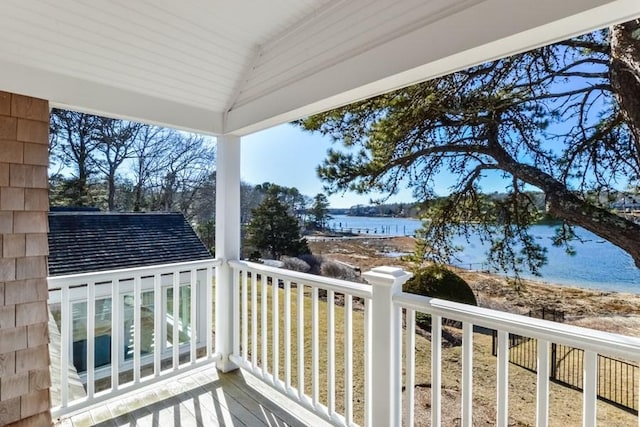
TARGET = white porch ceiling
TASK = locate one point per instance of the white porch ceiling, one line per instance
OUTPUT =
(240, 66)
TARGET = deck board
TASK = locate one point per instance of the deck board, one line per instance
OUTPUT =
(201, 398)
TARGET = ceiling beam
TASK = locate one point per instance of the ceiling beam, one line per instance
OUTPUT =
(488, 30)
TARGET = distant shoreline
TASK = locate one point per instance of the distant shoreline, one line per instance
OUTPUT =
(598, 264)
(573, 283)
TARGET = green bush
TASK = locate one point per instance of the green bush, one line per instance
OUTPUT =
(438, 281)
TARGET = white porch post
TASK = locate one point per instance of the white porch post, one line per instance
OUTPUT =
(227, 243)
(386, 366)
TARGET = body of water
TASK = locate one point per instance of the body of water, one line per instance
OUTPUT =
(598, 264)
(375, 225)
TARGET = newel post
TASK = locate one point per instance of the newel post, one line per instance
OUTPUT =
(227, 243)
(386, 368)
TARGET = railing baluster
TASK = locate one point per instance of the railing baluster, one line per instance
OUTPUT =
(590, 378)
(254, 320)
(245, 316)
(436, 370)
(410, 365)
(208, 329)
(264, 357)
(116, 334)
(396, 350)
(368, 347)
(315, 364)
(331, 353)
(235, 315)
(193, 321)
(275, 319)
(604, 387)
(502, 417)
(615, 380)
(300, 289)
(626, 381)
(137, 325)
(176, 319)
(618, 365)
(348, 356)
(91, 331)
(158, 339)
(542, 402)
(633, 402)
(467, 374)
(66, 339)
(287, 334)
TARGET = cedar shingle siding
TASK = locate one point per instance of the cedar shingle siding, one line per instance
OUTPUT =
(81, 242)
(24, 352)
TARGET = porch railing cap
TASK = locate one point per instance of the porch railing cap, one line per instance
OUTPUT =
(387, 276)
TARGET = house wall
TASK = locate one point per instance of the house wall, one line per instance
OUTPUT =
(24, 202)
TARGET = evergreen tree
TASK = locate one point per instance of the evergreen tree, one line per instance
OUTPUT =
(319, 211)
(563, 119)
(274, 231)
(207, 233)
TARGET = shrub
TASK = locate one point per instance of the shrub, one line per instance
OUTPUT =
(313, 261)
(255, 256)
(337, 271)
(438, 281)
(296, 264)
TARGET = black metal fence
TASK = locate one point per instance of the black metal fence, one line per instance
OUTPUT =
(548, 314)
(617, 379)
(473, 266)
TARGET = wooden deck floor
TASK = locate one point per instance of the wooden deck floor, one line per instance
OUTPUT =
(201, 398)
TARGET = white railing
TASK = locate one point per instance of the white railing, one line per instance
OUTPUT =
(343, 350)
(546, 332)
(280, 317)
(296, 330)
(122, 329)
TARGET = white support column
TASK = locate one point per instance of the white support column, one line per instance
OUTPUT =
(227, 243)
(385, 364)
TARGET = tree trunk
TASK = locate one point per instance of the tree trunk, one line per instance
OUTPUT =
(137, 201)
(111, 184)
(621, 232)
(625, 75)
(566, 205)
(82, 198)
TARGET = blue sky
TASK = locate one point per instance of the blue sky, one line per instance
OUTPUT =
(286, 155)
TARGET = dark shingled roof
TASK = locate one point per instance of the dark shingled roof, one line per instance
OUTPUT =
(82, 242)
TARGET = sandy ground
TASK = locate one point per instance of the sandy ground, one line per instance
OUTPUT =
(604, 310)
